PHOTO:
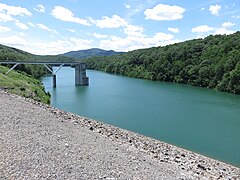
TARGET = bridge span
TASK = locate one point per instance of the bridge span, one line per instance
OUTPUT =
(81, 78)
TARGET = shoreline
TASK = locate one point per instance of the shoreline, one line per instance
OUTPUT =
(162, 151)
(191, 163)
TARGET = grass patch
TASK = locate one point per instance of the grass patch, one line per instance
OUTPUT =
(23, 84)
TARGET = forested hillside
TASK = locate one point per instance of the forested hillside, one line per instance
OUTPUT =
(212, 62)
(13, 54)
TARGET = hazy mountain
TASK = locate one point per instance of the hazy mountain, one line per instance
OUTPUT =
(82, 54)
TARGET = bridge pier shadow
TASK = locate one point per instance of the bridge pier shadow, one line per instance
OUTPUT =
(54, 80)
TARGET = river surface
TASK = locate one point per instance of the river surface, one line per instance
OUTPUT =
(197, 119)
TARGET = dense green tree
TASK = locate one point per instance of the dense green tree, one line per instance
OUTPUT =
(212, 62)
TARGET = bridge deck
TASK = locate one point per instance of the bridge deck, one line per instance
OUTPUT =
(80, 69)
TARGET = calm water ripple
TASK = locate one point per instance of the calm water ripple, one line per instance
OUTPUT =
(198, 119)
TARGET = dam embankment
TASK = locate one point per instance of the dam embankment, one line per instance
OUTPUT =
(42, 142)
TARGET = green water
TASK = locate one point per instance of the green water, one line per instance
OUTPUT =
(198, 119)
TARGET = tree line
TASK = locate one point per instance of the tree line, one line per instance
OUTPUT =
(212, 62)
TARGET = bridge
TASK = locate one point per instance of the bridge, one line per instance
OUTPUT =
(81, 78)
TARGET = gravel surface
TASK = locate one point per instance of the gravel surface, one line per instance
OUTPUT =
(41, 142)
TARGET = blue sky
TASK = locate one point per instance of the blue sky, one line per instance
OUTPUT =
(54, 27)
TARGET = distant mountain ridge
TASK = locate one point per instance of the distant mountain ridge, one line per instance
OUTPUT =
(82, 54)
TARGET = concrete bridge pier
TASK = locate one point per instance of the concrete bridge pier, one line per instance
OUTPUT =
(81, 78)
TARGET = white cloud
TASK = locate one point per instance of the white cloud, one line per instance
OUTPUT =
(132, 30)
(46, 47)
(5, 17)
(202, 9)
(134, 42)
(135, 39)
(236, 17)
(163, 12)
(4, 29)
(161, 37)
(99, 36)
(40, 8)
(22, 34)
(65, 14)
(214, 9)
(21, 25)
(7, 12)
(43, 27)
(223, 30)
(71, 30)
(202, 29)
(15, 41)
(31, 24)
(228, 24)
(205, 30)
(14, 10)
(137, 7)
(127, 6)
(60, 46)
(114, 22)
(174, 30)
